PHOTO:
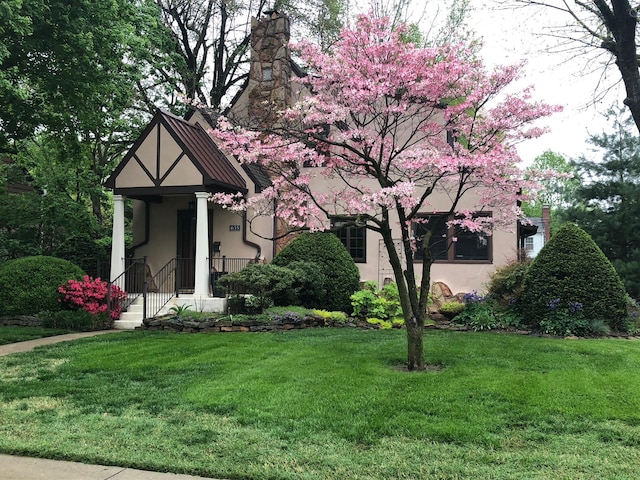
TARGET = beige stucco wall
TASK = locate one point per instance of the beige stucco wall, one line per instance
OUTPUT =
(182, 172)
(460, 277)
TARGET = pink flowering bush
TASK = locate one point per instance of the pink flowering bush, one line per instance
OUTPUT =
(90, 295)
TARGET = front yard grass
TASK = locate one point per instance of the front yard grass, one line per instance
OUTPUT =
(13, 334)
(329, 404)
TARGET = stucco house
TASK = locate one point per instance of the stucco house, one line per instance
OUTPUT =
(172, 168)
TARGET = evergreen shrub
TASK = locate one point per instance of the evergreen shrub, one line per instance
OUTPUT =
(79, 320)
(571, 270)
(268, 283)
(29, 285)
(328, 252)
(309, 287)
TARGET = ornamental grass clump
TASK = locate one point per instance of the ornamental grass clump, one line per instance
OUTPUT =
(572, 271)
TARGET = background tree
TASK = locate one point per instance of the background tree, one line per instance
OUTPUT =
(68, 74)
(605, 26)
(208, 46)
(608, 200)
(394, 111)
(558, 191)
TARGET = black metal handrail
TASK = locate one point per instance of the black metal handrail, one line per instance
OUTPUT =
(178, 275)
(225, 264)
(131, 281)
(221, 266)
(163, 286)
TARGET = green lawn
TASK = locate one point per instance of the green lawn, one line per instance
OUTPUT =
(13, 334)
(330, 404)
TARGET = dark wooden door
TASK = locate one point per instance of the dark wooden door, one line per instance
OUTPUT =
(186, 253)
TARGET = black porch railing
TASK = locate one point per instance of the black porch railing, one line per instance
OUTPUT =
(131, 281)
(173, 279)
(162, 287)
(221, 266)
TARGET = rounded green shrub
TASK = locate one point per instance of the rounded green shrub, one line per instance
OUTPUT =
(270, 284)
(309, 285)
(29, 285)
(327, 251)
(571, 273)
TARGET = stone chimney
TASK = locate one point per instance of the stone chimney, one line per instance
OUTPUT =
(546, 221)
(270, 69)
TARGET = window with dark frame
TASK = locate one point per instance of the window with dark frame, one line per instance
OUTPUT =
(353, 237)
(438, 240)
(465, 246)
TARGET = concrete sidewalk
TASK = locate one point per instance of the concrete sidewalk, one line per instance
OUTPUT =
(31, 344)
(23, 468)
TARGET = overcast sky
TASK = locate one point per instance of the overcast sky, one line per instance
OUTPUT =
(510, 36)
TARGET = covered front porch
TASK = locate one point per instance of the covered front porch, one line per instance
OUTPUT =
(182, 243)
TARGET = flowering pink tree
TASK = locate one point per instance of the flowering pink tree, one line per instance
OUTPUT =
(385, 129)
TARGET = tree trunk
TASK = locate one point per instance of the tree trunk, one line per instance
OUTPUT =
(627, 57)
(415, 346)
(414, 322)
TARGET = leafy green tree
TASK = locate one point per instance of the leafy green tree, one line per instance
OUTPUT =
(68, 75)
(69, 66)
(608, 200)
(559, 191)
(34, 223)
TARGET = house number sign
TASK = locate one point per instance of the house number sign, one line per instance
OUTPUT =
(234, 228)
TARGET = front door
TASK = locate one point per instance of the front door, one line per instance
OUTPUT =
(186, 249)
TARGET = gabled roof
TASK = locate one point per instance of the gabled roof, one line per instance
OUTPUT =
(152, 166)
(255, 172)
(205, 151)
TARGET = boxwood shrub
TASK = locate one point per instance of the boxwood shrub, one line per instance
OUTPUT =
(29, 285)
(327, 251)
(568, 272)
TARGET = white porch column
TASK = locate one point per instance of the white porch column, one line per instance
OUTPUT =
(117, 238)
(202, 245)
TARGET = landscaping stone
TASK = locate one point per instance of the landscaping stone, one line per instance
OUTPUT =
(21, 321)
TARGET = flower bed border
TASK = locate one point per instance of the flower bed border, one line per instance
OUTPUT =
(172, 323)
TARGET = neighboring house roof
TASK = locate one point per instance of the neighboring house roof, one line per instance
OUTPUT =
(18, 179)
(538, 222)
(174, 156)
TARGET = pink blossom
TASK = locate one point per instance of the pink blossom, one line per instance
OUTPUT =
(90, 295)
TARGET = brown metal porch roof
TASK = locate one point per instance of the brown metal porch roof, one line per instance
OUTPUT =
(218, 172)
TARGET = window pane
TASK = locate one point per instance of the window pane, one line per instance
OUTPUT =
(353, 238)
(437, 242)
(471, 246)
(528, 243)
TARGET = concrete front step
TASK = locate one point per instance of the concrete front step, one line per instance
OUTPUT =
(133, 317)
